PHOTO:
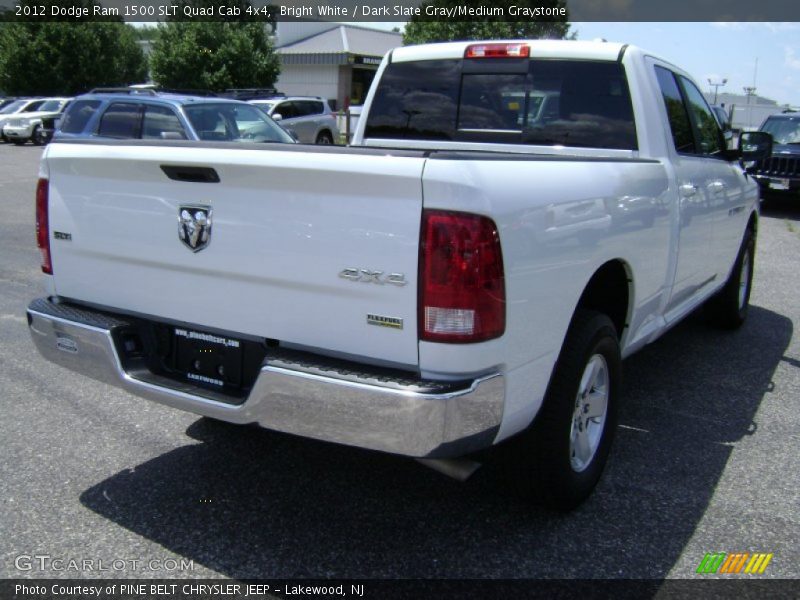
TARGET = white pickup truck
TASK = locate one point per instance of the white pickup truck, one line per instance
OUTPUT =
(475, 267)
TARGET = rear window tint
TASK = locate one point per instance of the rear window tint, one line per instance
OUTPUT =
(552, 102)
(78, 115)
(416, 100)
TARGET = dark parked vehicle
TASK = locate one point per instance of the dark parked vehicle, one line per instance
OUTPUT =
(722, 116)
(781, 172)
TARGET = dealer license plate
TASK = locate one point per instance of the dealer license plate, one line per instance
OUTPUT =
(208, 359)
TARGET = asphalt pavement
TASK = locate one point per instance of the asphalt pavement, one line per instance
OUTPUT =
(706, 460)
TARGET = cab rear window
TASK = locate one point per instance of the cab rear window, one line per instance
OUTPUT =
(543, 102)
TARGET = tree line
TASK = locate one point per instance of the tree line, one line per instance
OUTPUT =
(50, 58)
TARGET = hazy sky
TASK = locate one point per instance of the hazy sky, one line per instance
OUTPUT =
(719, 50)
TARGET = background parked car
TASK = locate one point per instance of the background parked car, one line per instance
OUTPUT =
(23, 105)
(6, 101)
(147, 114)
(23, 127)
(309, 118)
(780, 173)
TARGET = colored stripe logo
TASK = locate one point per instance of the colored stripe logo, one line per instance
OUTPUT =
(735, 563)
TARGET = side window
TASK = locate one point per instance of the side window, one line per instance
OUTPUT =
(311, 107)
(679, 122)
(299, 109)
(78, 115)
(286, 110)
(416, 100)
(209, 122)
(33, 106)
(161, 123)
(708, 131)
(121, 120)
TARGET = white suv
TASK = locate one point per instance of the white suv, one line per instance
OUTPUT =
(309, 118)
(16, 109)
(25, 125)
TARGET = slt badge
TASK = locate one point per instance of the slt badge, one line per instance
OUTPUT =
(194, 226)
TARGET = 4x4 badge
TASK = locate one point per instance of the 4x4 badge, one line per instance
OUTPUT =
(194, 226)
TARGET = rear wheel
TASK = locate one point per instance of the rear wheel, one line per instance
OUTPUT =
(561, 457)
(324, 137)
(728, 307)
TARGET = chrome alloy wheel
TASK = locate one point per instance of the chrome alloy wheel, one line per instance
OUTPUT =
(589, 416)
(744, 279)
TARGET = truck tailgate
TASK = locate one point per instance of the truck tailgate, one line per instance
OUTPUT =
(284, 226)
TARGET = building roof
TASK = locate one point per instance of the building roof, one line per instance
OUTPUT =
(345, 39)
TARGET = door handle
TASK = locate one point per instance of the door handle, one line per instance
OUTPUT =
(717, 187)
(688, 190)
(190, 173)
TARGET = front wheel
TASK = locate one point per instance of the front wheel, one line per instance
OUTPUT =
(324, 138)
(728, 307)
(36, 136)
(561, 457)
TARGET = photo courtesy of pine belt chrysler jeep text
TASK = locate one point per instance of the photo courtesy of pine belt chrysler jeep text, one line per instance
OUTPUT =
(512, 220)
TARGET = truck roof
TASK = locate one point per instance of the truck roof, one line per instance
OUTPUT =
(539, 48)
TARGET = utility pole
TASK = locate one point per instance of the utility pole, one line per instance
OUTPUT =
(750, 91)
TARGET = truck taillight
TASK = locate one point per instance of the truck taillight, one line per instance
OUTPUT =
(497, 51)
(42, 224)
(462, 295)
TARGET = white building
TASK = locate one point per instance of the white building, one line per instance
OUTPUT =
(331, 60)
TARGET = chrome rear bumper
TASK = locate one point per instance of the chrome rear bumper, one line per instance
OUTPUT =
(422, 419)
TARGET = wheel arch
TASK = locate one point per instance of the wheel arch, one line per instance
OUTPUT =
(752, 223)
(610, 291)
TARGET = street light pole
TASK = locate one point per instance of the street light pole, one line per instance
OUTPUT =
(750, 91)
(716, 87)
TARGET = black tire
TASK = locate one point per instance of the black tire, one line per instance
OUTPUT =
(544, 454)
(324, 137)
(35, 137)
(728, 307)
